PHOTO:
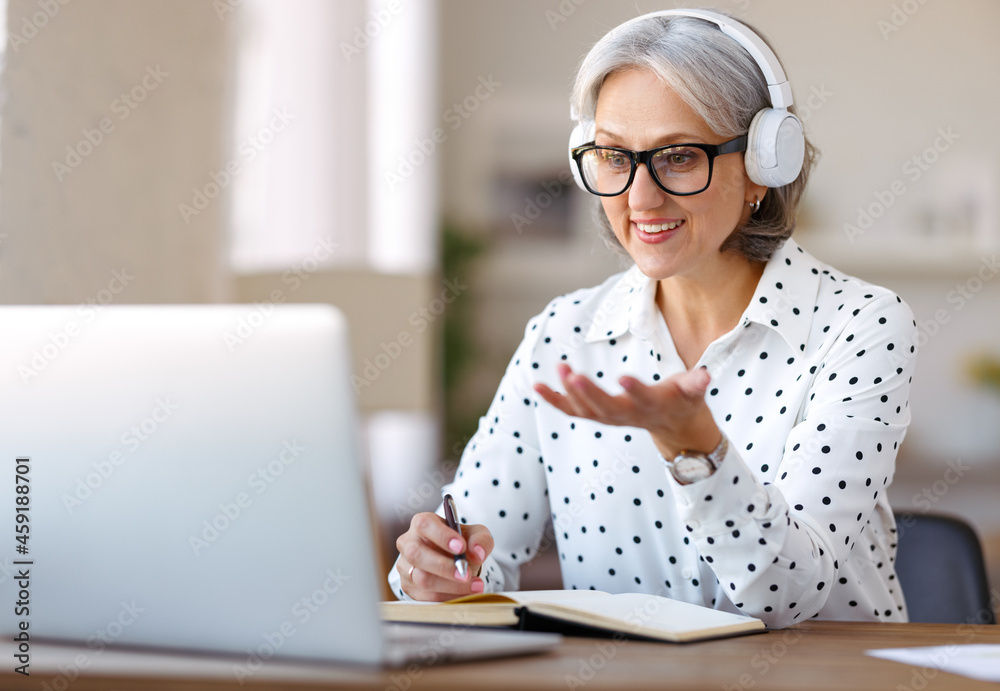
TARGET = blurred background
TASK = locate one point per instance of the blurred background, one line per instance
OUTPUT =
(406, 161)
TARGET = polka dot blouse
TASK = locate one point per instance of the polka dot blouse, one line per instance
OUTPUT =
(810, 388)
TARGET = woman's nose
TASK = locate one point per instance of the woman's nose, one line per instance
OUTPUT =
(644, 192)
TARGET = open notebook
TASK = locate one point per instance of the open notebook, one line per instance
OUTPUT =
(580, 612)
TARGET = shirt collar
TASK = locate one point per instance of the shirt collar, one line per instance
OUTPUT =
(786, 294)
(782, 302)
(627, 306)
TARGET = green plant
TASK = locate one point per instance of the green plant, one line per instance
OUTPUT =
(984, 369)
(459, 250)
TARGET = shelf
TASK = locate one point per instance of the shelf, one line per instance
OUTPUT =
(901, 258)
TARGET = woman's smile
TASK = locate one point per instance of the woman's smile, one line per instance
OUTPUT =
(655, 230)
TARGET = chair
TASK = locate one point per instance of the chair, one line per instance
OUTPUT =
(939, 564)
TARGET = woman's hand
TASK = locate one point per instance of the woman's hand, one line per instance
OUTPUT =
(427, 565)
(673, 411)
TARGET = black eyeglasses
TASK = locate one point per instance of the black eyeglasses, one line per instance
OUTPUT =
(678, 169)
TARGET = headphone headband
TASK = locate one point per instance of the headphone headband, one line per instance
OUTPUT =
(777, 84)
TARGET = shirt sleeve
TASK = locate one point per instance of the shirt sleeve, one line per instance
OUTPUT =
(500, 481)
(776, 548)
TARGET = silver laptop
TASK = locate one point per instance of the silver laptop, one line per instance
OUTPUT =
(191, 479)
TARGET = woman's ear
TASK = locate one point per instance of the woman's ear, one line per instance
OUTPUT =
(754, 195)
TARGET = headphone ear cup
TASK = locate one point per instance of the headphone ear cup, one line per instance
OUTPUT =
(775, 148)
(578, 137)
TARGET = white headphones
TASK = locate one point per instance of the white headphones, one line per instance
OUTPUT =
(775, 143)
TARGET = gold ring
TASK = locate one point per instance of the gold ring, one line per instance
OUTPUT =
(409, 574)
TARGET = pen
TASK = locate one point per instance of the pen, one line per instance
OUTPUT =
(451, 518)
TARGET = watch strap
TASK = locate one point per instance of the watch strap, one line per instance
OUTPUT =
(719, 452)
(712, 459)
(715, 456)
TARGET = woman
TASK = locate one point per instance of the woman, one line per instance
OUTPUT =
(719, 423)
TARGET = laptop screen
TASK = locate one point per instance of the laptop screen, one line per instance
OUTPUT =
(192, 479)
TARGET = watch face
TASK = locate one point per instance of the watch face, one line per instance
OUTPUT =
(688, 469)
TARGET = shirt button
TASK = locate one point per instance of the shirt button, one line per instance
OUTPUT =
(686, 572)
(694, 524)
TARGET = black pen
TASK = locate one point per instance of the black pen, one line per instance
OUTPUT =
(451, 518)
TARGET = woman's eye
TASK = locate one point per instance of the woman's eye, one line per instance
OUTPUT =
(615, 159)
(679, 160)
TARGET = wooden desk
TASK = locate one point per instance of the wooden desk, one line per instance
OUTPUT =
(812, 656)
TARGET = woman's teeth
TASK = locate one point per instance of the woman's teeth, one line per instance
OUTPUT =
(653, 228)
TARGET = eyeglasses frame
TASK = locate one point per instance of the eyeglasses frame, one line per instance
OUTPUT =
(637, 158)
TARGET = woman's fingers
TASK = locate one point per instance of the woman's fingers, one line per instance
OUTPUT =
(644, 397)
(694, 383)
(432, 529)
(422, 585)
(427, 568)
(592, 400)
(583, 398)
(427, 558)
(576, 387)
(664, 404)
(554, 399)
(480, 542)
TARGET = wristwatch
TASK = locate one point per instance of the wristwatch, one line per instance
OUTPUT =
(691, 466)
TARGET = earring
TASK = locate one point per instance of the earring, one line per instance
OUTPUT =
(755, 204)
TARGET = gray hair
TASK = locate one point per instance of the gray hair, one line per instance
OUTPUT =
(714, 75)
